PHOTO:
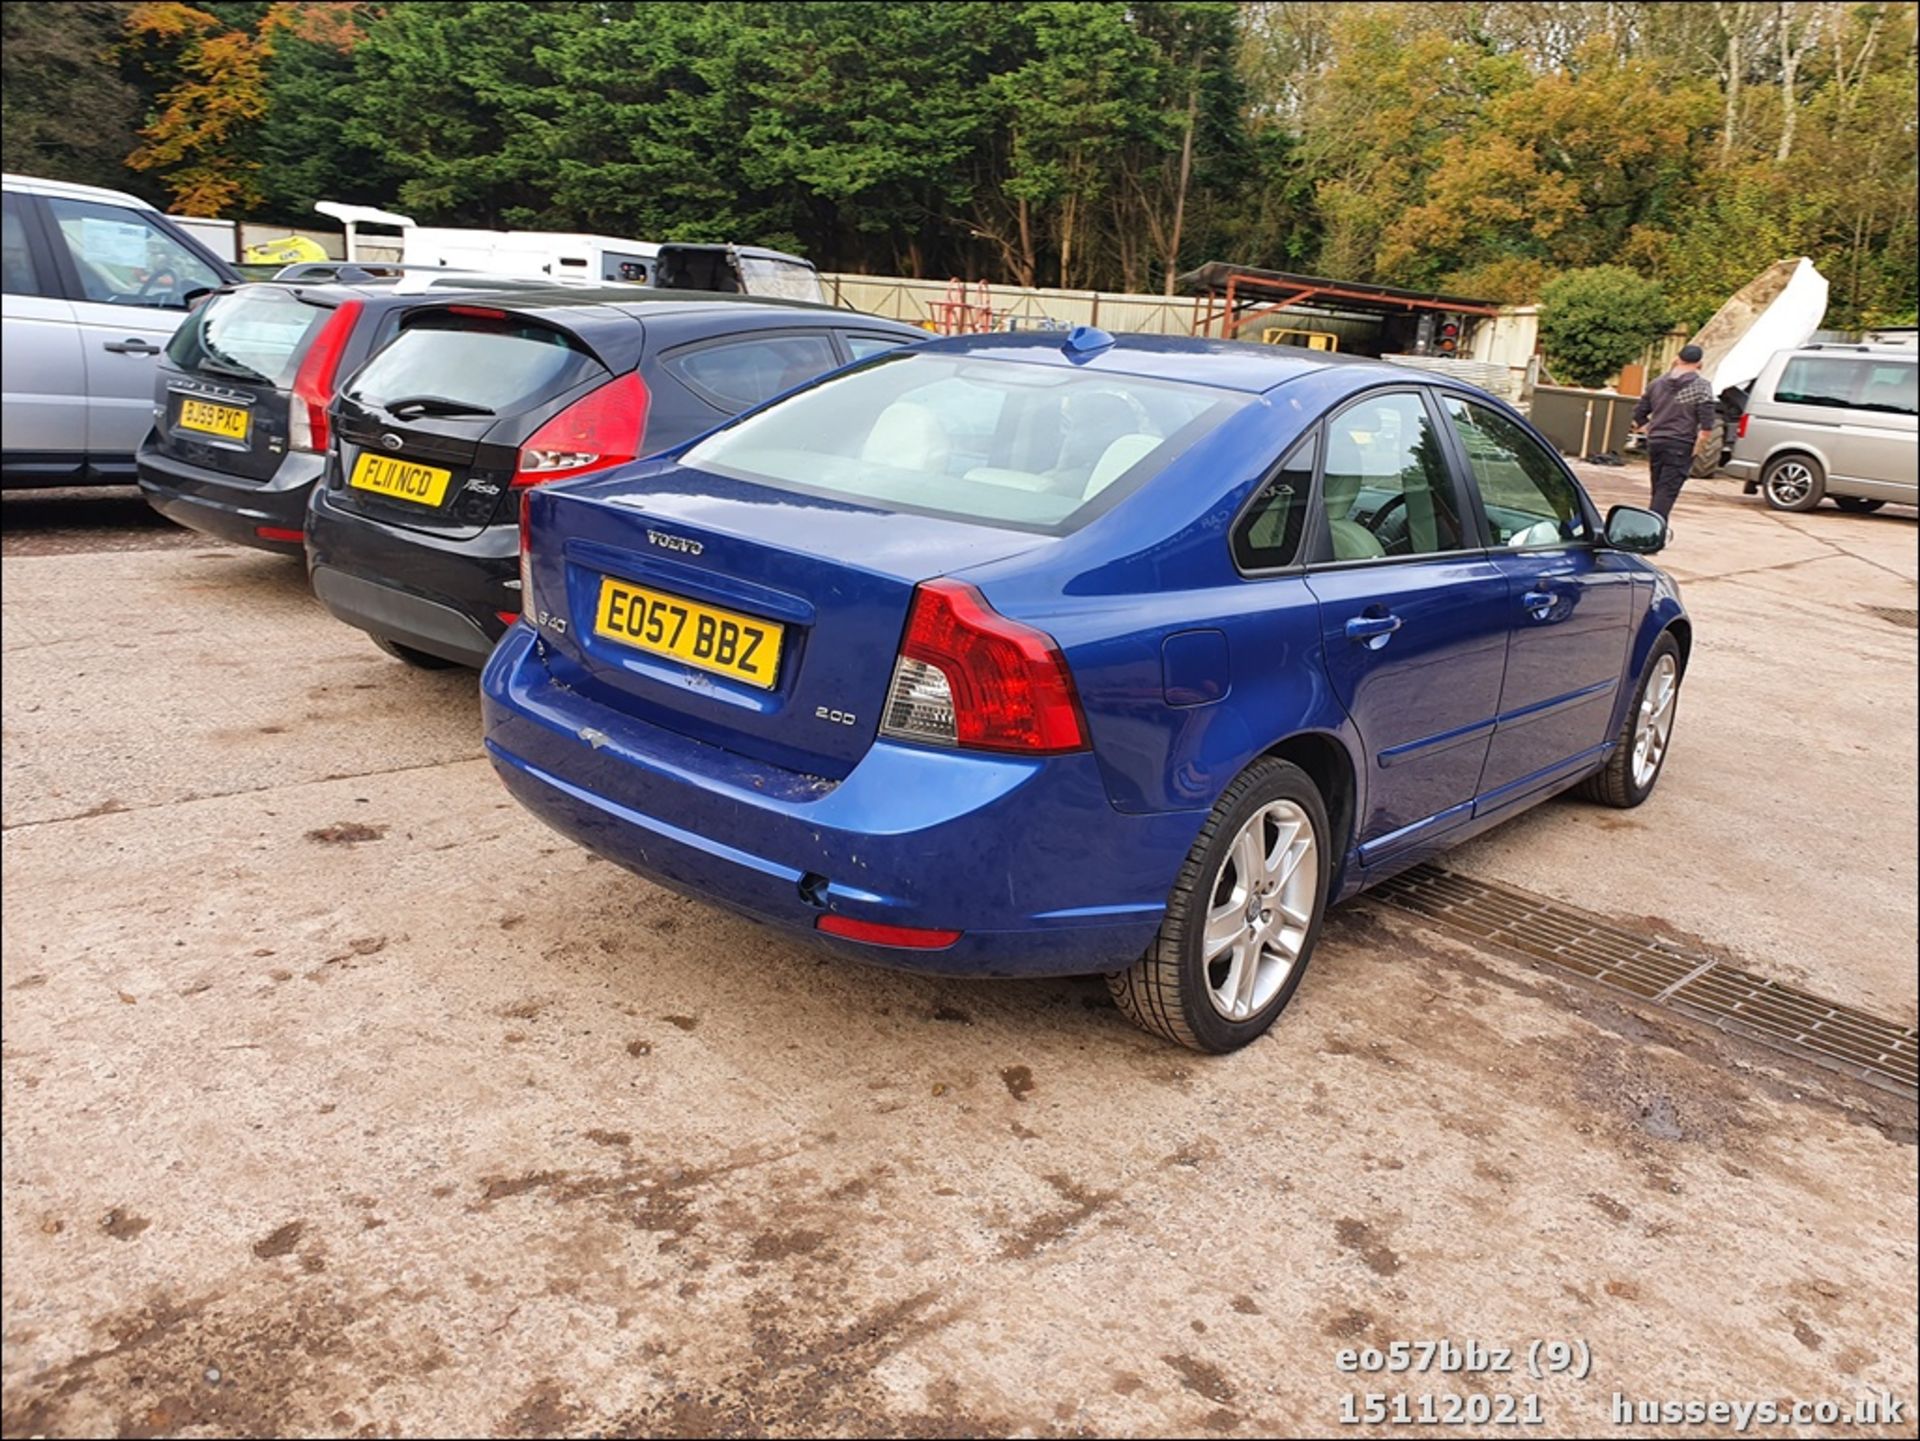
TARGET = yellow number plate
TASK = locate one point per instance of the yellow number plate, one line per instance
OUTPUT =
(227, 421)
(401, 479)
(721, 641)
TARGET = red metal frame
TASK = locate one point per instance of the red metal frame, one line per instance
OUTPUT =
(1232, 321)
(960, 315)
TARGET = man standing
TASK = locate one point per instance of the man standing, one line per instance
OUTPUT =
(1678, 415)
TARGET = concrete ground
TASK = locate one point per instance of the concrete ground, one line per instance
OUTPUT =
(341, 1096)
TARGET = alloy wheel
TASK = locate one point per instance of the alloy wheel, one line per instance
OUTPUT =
(1790, 483)
(1655, 725)
(1260, 909)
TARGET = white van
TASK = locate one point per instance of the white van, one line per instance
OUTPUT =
(593, 258)
(1832, 422)
(601, 259)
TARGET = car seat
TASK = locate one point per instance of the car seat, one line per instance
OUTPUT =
(1351, 540)
(908, 436)
(1120, 456)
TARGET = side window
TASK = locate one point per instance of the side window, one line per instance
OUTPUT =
(125, 259)
(1269, 534)
(22, 278)
(861, 346)
(1821, 380)
(1893, 388)
(1529, 498)
(748, 369)
(1386, 485)
(627, 269)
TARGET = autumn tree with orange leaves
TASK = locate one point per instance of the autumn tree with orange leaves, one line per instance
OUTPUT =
(199, 138)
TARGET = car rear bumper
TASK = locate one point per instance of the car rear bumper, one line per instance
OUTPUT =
(235, 510)
(1743, 470)
(436, 594)
(1027, 858)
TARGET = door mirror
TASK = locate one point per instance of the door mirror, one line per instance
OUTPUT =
(1630, 528)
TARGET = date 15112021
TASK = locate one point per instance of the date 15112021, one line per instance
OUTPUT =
(1447, 1408)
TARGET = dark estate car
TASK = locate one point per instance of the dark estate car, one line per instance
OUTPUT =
(414, 535)
(240, 400)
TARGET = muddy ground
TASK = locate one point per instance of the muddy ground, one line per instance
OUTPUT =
(341, 1096)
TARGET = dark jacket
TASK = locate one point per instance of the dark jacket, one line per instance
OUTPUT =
(1678, 406)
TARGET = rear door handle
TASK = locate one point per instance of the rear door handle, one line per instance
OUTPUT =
(132, 345)
(1539, 603)
(1372, 630)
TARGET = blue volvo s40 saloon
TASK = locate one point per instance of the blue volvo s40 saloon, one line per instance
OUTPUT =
(1009, 655)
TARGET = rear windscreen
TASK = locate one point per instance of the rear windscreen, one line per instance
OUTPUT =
(255, 334)
(788, 279)
(1034, 447)
(506, 365)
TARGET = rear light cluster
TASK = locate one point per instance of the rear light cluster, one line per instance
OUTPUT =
(969, 677)
(600, 429)
(313, 382)
(1744, 418)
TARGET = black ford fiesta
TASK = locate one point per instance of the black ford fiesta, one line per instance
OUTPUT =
(240, 398)
(413, 534)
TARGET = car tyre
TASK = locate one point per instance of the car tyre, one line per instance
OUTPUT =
(1263, 861)
(1632, 771)
(1793, 482)
(1858, 504)
(418, 659)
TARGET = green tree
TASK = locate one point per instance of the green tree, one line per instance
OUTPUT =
(1575, 168)
(1068, 111)
(1392, 97)
(1594, 321)
(66, 111)
(301, 143)
(451, 98)
(1188, 143)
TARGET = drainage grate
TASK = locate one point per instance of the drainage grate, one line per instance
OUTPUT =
(1864, 1046)
(1895, 615)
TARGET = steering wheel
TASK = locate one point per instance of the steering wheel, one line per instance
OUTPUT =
(1379, 517)
(172, 278)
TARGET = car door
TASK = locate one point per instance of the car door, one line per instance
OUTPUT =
(128, 278)
(1570, 606)
(1413, 617)
(1880, 431)
(43, 429)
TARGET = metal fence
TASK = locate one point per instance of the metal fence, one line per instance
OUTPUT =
(1004, 307)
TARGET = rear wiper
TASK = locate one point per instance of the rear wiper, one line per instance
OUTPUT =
(415, 405)
(213, 358)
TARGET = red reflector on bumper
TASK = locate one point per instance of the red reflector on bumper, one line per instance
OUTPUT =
(875, 934)
(279, 532)
(507, 617)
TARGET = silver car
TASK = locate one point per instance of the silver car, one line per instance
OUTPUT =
(95, 282)
(1831, 420)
